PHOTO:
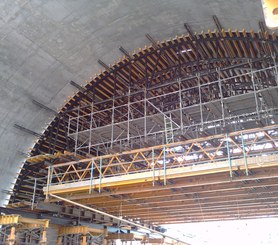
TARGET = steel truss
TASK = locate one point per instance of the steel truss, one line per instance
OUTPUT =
(236, 149)
(211, 107)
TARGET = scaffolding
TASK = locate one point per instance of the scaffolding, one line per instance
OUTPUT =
(156, 117)
(20, 230)
(82, 235)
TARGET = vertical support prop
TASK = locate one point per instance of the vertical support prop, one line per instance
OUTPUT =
(255, 92)
(69, 125)
(244, 155)
(221, 98)
(91, 125)
(11, 237)
(49, 177)
(43, 237)
(34, 194)
(77, 129)
(100, 174)
(275, 68)
(200, 101)
(153, 165)
(164, 165)
(180, 104)
(91, 176)
(128, 114)
(51, 174)
(59, 240)
(112, 123)
(229, 155)
(105, 234)
(84, 239)
(145, 113)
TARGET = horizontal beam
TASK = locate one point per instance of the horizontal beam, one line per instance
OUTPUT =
(233, 208)
(201, 216)
(18, 220)
(227, 218)
(70, 230)
(133, 237)
(147, 191)
(181, 203)
(181, 195)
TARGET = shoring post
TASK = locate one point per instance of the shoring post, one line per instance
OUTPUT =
(112, 123)
(153, 165)
(77, 129)
(84, 239)
(145, 114)
(91, 176)
(244, 155)
(164, 164)
(275, 68)
(48, 182)
(59, 240)
(69, 126)
(100, 174)
(91, 125)
(51, 174)
(105, 234)
(128, 114)
(11, 237)
(180, 104)
(255, 92)
(200, 101)
(34, 194)
(43, 237)
(221, 97)
(229, 155)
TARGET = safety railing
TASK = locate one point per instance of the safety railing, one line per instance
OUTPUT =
(212, 149)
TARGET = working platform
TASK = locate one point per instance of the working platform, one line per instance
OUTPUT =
(220, 177)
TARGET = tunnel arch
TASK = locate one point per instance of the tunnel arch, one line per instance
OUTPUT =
(200, 57)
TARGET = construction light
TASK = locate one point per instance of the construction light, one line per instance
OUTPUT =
(270, 8)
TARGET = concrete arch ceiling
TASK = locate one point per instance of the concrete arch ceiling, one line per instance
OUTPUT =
(45, 45)
(159, 68)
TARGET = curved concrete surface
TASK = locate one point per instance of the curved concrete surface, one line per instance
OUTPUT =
(45, 44)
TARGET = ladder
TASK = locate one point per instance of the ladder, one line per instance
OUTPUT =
(169, 134)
